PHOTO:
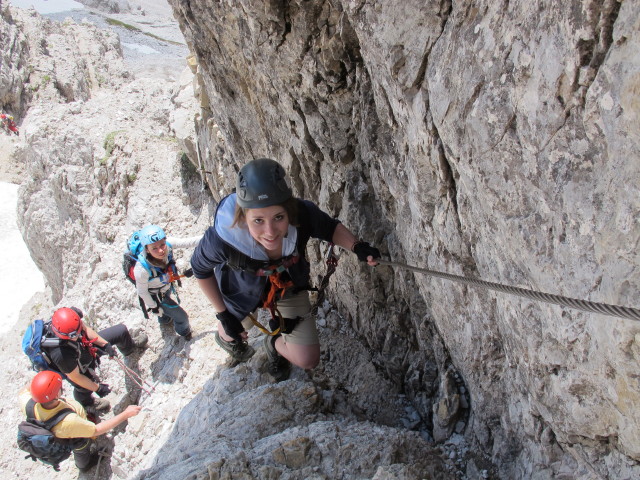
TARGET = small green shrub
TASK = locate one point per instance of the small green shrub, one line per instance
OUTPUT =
(109, 144)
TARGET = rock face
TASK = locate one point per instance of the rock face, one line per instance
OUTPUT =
(101, 160)
(497, 140)
(14, 69)
(489, 140)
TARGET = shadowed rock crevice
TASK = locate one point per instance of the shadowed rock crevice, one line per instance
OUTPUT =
(592, 52)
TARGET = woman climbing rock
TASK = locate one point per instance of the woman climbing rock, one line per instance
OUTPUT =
(254, 257)
(154, 275)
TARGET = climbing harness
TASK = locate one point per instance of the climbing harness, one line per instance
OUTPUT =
(144, 385)
(584, 305)
(239, 261)
(278, 286)
(89, 344)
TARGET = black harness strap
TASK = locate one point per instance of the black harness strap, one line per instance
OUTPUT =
(46, 424)
(237, 260)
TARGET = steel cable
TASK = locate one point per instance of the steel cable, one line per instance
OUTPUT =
(584, 305)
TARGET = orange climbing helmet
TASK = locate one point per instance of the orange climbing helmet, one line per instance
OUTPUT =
(66, 323)
(46, 386)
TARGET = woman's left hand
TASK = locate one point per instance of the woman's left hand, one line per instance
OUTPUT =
(366, 253)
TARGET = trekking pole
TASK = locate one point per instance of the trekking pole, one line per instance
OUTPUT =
(101, 454)
(135, 378)
(142, 398)
(584, 305)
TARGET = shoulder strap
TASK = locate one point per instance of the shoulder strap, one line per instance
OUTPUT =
(48, 424)
(31, 415)
(153, 270)
(143, 261)
(236, 259)
(239, 261)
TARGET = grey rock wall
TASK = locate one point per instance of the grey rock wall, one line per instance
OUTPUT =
(14, 69)
(105, 162)
(73, 62)
(491, 139)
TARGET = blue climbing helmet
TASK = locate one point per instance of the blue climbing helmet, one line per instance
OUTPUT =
(151, 234)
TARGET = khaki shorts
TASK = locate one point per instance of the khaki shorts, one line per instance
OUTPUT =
(297, 305)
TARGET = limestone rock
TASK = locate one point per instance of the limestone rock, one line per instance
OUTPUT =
(104, 165)
(494, 140)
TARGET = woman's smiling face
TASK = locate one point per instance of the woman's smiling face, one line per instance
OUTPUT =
(158, 249)
(268, 226)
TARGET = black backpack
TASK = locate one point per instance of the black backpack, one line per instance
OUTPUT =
(35, 438)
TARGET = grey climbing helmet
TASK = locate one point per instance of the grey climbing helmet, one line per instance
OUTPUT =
(261, 183)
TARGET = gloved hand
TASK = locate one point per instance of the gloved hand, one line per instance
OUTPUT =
(155, 310)
(103, 390)
(188, 273)
(232, 326)
(109, 350)
(364, 250)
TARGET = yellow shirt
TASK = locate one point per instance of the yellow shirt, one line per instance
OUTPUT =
(74, 425)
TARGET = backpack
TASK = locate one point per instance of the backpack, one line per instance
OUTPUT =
(132, 255)
(35, 438)
(33, 342)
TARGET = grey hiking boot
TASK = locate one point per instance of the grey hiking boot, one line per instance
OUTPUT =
(140, 339)
(239, 351)
(278, 366)
(100, 405)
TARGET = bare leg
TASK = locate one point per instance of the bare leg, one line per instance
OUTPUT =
(303, 356)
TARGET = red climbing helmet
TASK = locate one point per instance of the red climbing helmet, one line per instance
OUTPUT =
(46, 386)
(66, 323)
